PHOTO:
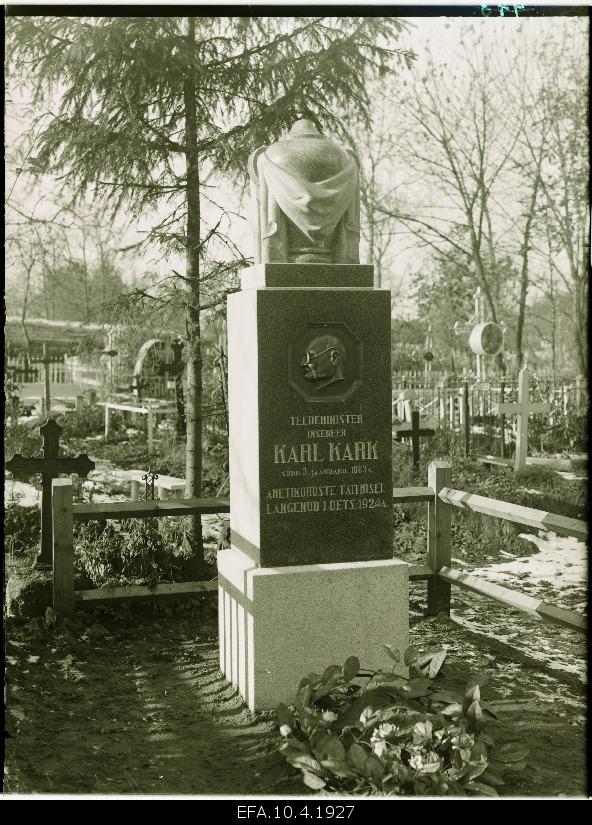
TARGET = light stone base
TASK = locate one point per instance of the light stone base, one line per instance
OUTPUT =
(276, 625)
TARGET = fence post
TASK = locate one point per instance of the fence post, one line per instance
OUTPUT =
(47, 409)
(439, 551)
(443, 411)
(415, 438)
(466, 420)
(150, 429)
(63, 546)
(135, 490)
(502, 420)
(579, 382)
(107, 422)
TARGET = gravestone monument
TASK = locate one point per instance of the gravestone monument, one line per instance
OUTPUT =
(309, 579)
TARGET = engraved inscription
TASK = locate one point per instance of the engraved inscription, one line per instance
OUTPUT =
(303, 461)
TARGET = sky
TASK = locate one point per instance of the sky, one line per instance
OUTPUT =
(442, 35)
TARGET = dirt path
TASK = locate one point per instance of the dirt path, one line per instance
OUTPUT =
(131, 708)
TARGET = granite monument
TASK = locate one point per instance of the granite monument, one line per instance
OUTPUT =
(310, 567)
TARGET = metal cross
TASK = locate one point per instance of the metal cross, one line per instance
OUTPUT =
(149, 480)
(50, 466)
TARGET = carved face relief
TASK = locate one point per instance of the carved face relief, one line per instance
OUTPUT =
(323, 361)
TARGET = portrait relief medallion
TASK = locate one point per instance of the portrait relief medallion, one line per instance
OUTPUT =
(325, 362)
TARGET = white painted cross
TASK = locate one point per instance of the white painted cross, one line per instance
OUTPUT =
(522, 409)
(479, 319)
(404, 404)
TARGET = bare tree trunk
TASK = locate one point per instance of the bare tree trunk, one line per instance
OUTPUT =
(193, 401)
(524, 270)
(580, 308)
(553, 328)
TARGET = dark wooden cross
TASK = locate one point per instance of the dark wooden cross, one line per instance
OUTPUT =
(414, 432)
(50, 466)
(176, 368)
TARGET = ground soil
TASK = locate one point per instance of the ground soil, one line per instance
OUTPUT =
(131, 701)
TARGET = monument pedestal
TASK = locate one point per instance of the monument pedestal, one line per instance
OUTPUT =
(279, 624)
(309, 579)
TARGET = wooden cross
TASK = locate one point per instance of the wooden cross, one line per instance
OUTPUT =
(414, 432)
(176, 368)
(50, 466)
(522, 409)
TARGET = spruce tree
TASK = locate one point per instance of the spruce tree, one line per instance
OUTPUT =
(150, 106)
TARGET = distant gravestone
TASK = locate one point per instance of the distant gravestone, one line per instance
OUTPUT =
(309, 372)
(414, 431)
(522, 410)
(404, 404)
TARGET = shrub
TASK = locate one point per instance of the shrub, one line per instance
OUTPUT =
(22, 438)
(22, 527)
(128, 552)
(144, 555)
(395, 735)
(29, 592)
(90, 420)
(97, 552)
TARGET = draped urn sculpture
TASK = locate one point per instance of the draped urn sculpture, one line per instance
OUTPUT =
(305, 199)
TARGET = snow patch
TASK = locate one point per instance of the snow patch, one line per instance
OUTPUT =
(21, 493)
(571, 476)
(561, 561)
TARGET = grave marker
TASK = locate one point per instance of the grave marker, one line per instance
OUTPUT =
(414, 432)
(522, 410)
(176, 368)
(309, 578)
(50, 466)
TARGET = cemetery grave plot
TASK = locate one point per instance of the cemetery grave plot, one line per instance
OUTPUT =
(108, 482)
(548, 567)
(150, 712)
(120, 701)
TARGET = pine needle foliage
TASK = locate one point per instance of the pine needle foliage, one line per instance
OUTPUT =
(149, 109)
(119, 129)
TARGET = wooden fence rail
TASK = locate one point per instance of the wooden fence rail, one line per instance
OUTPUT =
(515, 599)
(438, 573)
(516, 513)
(150, 509)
